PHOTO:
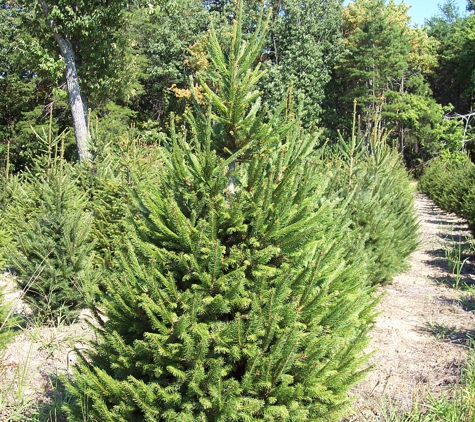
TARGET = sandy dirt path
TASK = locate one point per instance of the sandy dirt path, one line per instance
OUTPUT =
(421, 335)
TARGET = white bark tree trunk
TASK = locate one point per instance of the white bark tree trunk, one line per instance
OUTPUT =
(76, 102)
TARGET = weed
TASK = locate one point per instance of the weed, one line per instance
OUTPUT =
(453, 254)
(441, 332)
(461, 406)
(15, 398)
(52, 410)
(19, 387)
(458, 407)
(390, 413)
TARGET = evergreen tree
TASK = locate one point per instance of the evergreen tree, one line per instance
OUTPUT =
(106, 182)
(376, 57)
(51, 250)
(450, 182)
(6, 320)
(422, 130)
(4, 236)
(371, 176)
(446, 84)
(385, 67)
(232, 300)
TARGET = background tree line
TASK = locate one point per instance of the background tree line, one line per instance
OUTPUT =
(135, 62)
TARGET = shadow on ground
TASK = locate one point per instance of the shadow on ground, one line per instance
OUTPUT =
(50, 408)
(461, 276)
(450, 333)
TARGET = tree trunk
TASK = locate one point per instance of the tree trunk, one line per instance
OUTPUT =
(76, 102)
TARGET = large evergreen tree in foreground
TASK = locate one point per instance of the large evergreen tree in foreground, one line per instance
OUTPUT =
(232, 300)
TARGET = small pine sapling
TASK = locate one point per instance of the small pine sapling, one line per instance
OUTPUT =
(51, 250)
(380, 204)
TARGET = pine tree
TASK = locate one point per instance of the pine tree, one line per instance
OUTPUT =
(6, 319)
(375, 61)
(232, 300)
(450, 182)
(105, 182)
(380, 203)
(4, 242)
(51, 250)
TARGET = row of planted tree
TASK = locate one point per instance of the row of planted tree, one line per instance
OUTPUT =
(230, 268)
(129, 63)
(450, 182)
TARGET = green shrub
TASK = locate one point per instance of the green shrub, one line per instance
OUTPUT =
(51, 250)
(5, 320)
(4, 235)
(232, 300)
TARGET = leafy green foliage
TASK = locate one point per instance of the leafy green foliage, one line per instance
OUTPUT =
(92, 40)
(422, 130)
(165, 54)
(97, 31)
(232, 299)
(304, 44)
(28, 91)
(51, 249)
(300, 49)
(447, 83)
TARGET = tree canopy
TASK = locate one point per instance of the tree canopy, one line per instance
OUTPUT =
(136, 62)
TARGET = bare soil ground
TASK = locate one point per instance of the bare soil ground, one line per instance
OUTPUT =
(422, 332)
(33, 363)
(420, 337)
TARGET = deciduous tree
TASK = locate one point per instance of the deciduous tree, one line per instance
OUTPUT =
(90, 37)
